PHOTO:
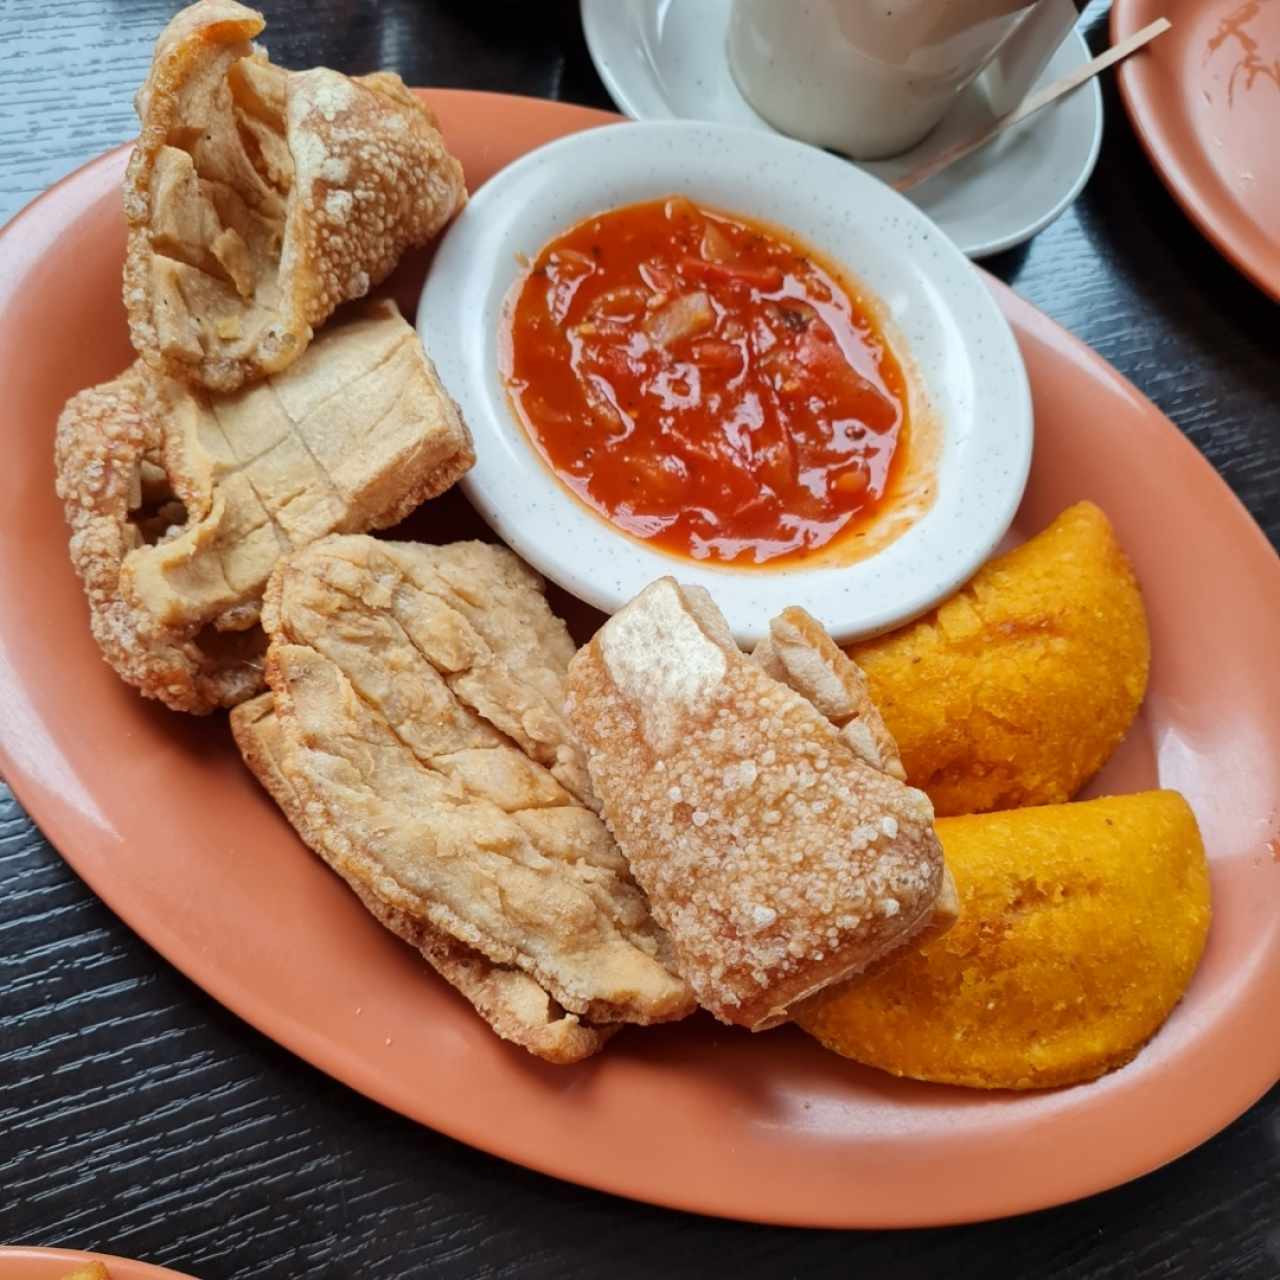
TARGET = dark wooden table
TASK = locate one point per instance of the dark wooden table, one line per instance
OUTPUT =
(138, 1117)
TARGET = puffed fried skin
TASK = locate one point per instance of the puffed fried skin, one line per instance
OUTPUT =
(511, 1002)
(777, 859)
(1018, 689)
(259, 199)
(798, 652)
(423, 755)
(180, 503)
(1080, 928)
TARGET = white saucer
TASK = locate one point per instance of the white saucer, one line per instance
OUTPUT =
(968, 373)
(665, 59)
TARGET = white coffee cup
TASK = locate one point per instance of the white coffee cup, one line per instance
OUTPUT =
(871, 78)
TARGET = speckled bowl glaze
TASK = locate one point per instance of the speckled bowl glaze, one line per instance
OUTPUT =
(968, 376)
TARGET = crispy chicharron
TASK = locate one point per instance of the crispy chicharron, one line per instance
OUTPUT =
(258, 199)
(180, 502)
(1081, 926)
(798, 652)
(420, 748)
(513, 1004)
(776, 857)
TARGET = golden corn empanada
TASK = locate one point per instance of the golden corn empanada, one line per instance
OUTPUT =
(776, 857)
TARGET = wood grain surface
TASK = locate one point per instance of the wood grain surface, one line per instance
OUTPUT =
(138, 1117)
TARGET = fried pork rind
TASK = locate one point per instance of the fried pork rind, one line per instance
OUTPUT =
(1080, 928)
(258, 199)
(180, 503)
(1018, 689)
(513, 1004)
(418, 696)
(798, 652)
(778, 860)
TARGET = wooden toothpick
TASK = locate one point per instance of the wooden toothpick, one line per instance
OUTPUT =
(1033, 102)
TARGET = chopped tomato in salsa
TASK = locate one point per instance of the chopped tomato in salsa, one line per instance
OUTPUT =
(704, 382)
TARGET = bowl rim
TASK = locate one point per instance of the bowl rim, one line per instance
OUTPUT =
(518, 495)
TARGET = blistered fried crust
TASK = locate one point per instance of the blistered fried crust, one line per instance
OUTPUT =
(798, 652)
(418, 691)
(180, 503)
(90, 1271)
(259, 199)
(776, 858)
(509, 1000)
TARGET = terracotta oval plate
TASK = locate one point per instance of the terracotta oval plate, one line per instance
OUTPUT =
(1205, 99)
(156, 812)
(17, 1262)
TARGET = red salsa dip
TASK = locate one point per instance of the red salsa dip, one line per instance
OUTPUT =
(705, 382)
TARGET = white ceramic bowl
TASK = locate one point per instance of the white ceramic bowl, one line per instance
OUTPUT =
(933, 300)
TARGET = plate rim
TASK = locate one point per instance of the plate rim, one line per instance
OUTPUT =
(592, 14)
(360, 1073)
(122, 1268)
(1149, 123)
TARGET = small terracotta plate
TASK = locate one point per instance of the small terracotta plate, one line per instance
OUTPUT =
(158, 815)
(18, 1262)
(1205, 100)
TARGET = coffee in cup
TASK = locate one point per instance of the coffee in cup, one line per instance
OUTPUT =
(870, 78)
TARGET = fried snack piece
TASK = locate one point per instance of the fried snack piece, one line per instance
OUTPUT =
(258, 199)
(798, 652)
(90, 1271)
(1018, 689)
(510, 1001)
(180, 503)
(776, 858)
(1080, 928)
(418, 693)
